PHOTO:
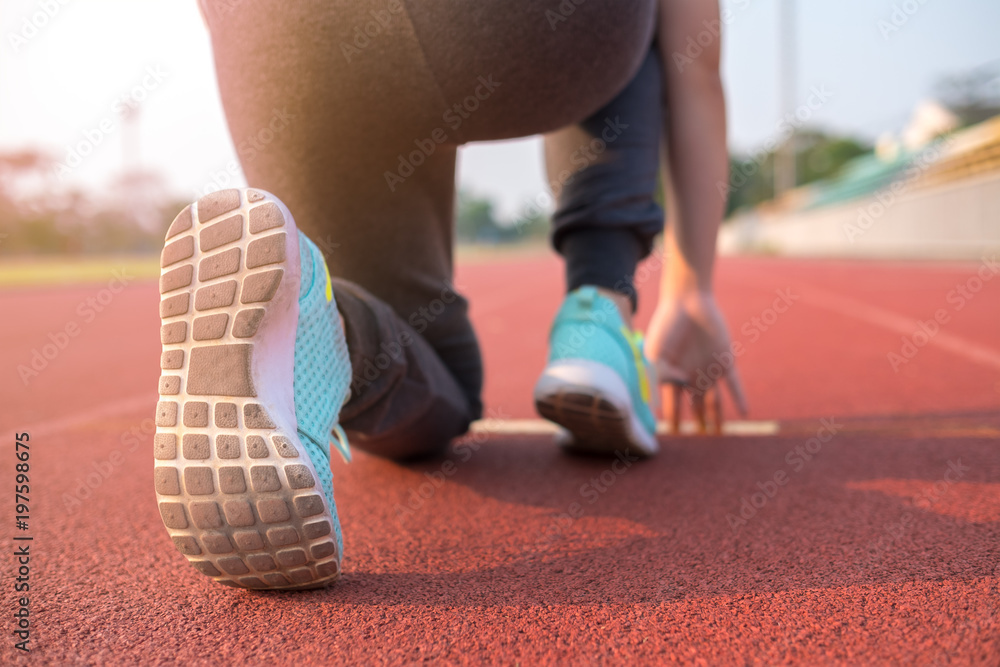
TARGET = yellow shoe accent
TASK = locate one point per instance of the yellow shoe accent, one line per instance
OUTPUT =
(634, 339)
(329, 284)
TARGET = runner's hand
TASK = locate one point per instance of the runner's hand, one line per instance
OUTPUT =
(688, 342)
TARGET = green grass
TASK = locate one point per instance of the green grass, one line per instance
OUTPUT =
(63, 270)
(478, 253)
(33, 271)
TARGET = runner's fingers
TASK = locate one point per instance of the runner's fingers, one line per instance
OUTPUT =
(713, 409)
(698, 407)
(671, 394)
(667, 402)
(736, 390)
(718, 411)
(678, 401)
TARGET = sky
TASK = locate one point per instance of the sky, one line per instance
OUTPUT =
(66, 78)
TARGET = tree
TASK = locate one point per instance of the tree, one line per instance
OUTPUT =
(474, 221)
(974, 95)
(822, 156)
(38, 214)
(818, 156)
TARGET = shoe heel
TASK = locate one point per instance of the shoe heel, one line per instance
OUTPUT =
(236, 489)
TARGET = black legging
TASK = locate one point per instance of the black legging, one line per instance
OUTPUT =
(371, 100)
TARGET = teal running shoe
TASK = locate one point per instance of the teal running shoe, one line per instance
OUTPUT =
(254, 373)
(598, 385)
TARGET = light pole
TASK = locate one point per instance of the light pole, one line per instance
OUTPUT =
(784, 160)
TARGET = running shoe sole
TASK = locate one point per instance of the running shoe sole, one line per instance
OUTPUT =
(591, 402)
(236, 489)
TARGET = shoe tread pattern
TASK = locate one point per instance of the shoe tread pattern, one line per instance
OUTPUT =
(237, 497)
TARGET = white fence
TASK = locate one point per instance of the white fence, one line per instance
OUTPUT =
(954, 221)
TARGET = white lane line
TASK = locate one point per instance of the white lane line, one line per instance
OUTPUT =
(501, 426)
(542, 427)
(900, 324)
(82, 418)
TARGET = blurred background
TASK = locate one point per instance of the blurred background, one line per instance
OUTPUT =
(857, 128)
(861, 244)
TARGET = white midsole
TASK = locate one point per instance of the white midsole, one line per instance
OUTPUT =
(273, 361)
(596, 379)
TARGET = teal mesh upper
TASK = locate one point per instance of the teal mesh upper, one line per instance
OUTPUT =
(589, 326)
(322, 368)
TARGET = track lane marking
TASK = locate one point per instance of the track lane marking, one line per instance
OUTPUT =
(543, 427)
(504, 426)
(901, 324)
(84, 417)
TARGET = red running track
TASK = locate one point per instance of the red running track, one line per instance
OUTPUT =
(882, 545)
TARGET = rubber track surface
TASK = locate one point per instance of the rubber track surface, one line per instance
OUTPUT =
(880, 546)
